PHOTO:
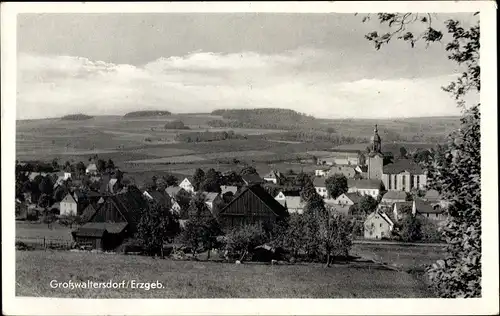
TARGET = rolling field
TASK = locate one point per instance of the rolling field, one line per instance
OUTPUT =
(142, 145)
(190, 279)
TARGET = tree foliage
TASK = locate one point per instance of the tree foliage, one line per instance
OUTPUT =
(241, 241)
(198, 178)
(156, 226)
(335, 235)
(455, 170)
(336, 185)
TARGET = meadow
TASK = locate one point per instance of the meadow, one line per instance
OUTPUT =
(196, 279)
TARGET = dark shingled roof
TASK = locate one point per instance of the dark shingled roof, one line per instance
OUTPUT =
(130, 203)
(89, 232)
(265, 197)
(93, 229)
(402, 165)
(252, 178)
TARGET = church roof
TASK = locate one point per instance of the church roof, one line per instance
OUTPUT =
(402, 165)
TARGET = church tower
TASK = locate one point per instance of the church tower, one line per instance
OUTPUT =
(375, 158)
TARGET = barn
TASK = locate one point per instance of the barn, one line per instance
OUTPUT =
(253, 205)
(111, 221)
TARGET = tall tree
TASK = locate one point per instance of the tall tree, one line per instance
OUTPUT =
(248, 170)
(335, 235)
(46, 186)
(198, 178)
(101, 165)
(456, 171)
(212, 181)
(336, 185)
(403, 153)
(80, 169)
(156, 226)
(171, 180)
(302, 179)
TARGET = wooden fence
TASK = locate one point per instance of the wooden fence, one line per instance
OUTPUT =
(45, 243)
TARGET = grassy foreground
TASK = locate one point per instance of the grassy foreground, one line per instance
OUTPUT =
(183, 279)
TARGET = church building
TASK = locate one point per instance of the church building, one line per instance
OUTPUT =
(400, 175)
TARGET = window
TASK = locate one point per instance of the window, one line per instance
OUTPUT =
(380, 224)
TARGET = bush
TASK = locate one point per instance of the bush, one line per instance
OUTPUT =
(240, 242)
(131, 245)
(176, 125)
(22, 246)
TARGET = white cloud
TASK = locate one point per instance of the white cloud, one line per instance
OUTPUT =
(303, 80)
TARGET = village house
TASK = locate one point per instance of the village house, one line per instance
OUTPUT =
(172, 191)
(91, 169)
(321, 172)
(404, 175)
(160, 197)
(378, 225)
(342, 157)
(114, 220)
(364, 187)
(434, 198)
(291, 200)
(210, 198)
(228, 188)
(109, 185)
(391, 197)
(252, 205)
(320, 186)
(348, 199)
(187, 185)
(251, 179)
(347, 171)
(73, 204)
(421, 208)
(274, 176)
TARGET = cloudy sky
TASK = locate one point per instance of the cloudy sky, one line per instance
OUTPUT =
(319, 64)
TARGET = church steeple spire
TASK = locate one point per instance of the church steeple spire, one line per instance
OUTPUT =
(376, 141)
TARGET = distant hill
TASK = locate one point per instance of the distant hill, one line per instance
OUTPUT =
(76, 117)
(268, 118)
(147, 113)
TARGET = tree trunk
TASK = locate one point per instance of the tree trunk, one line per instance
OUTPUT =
(161, 251)
(327, 260)
(243, 256)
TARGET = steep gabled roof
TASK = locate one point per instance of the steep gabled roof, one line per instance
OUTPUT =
(130, 204)
(263, 196)
(88, 212)
(402, 165)
(210, 196)
(173, 190)
(252, 178)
